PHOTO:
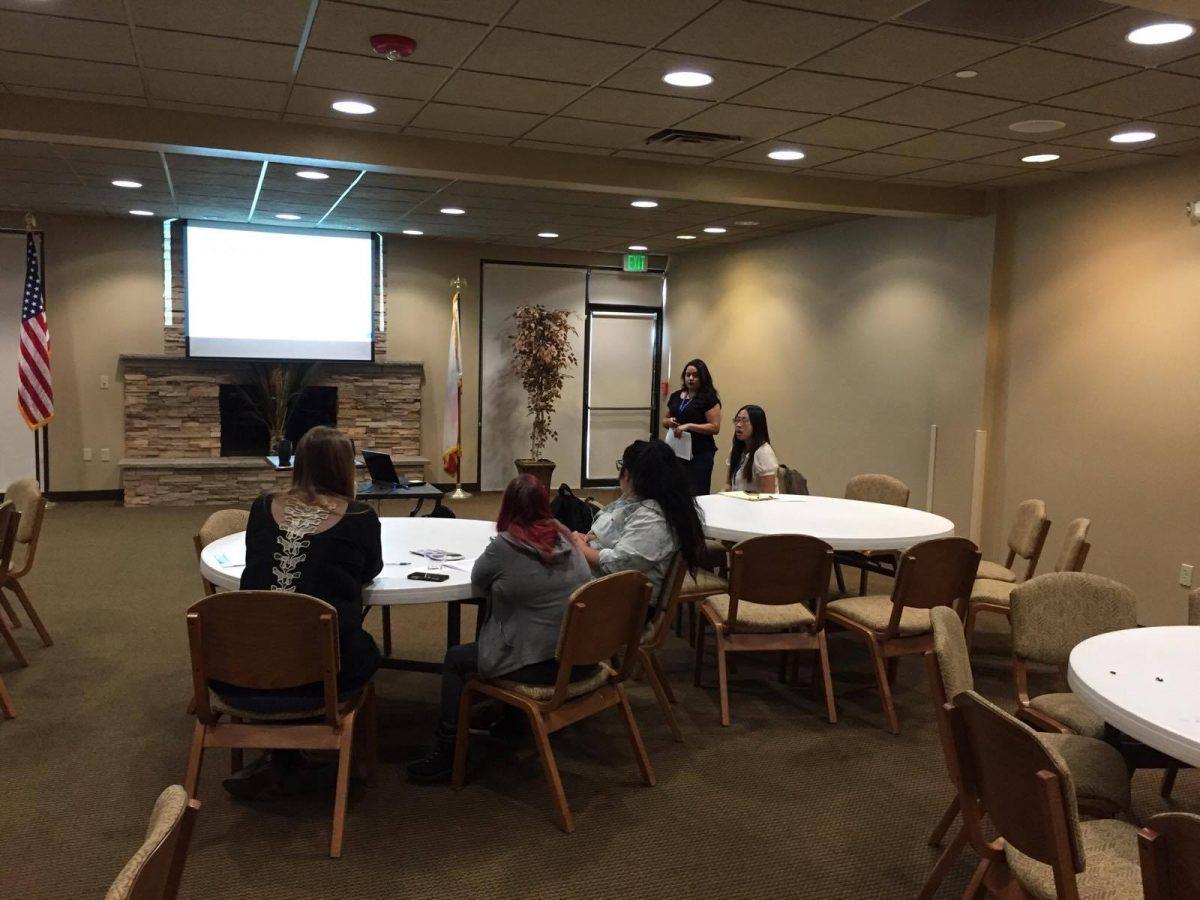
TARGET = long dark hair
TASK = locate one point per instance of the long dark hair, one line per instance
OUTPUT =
(525, 515)
(706, 388)
(324, 464)
(741, 454)
(657, 474)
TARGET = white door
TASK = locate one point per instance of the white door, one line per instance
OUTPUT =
(622, 349)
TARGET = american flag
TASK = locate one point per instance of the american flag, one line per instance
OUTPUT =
(35, 396)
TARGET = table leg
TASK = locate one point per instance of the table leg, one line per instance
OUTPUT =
(453, 624)
(416, 509)
(387, 631)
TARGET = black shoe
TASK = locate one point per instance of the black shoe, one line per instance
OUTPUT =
(436, 768)
(510, 726)
(253, 780)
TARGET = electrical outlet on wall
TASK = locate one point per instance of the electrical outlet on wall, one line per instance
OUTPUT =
(1185, 575)
(105, 456)
(104, 382)
(87, 454)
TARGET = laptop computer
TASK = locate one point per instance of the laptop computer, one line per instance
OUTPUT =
(382, 470)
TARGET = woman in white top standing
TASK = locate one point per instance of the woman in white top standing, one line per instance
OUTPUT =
(753, 465)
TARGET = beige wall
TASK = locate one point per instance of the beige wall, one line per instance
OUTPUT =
(1102, 381)
(855, 339)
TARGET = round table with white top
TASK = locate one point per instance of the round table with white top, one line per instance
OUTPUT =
(843, 524)
(1144, 682)
(222, 561)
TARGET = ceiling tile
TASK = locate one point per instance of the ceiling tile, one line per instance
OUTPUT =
(316, 102)
(444, 135)
(853, 134)
(1167, 133)
(214, 55)
(509, 52)
(597, 134)
(678, 159)
(1189, 66)
(401, 182)
(729, 77)
(347, 27)
(69, 74)
(905, 54)
(813, 156)
(750, 122)
(55, 36)
(476, 120)
(506, 92)
(345, 71)
(817, 92)
(1075, 122)
(280, 21)
(561, 147)
(1188, 116)
(966, 173)
(1143, 94)
(335, 121)
(1115, 161)
(878, 10)
(1012, 20)
(218, 165)
(1030, 74)
(753, 32)
(932, 108)
(1104, 38)
(1068, 156)
(621, 21)
(27, 149)
(282, 177)
(485, 11)
(1026, 178)
(1179, 148)
(633, 108)
(951, 145)
(100, 10)
(86, 96)
(882, 164)
(216, 90)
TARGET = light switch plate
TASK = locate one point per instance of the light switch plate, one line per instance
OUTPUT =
(87, 454)
(1185, 575)
(104, 382)
(105, 456)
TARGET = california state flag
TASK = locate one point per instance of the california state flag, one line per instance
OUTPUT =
(451, 426)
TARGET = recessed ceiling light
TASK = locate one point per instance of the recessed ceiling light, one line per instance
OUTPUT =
(547, 234)
(353, 107)
(745, 223)
(1040, 157)
(452, 211)
(688, 78)
(644, 204)
(714, 230)
(126, 183)
(638, 247)
(287, 217)
(685, 237)
(966, 73)
(786, 155)
(140, 212)
(1132, 137)
(1037, 126)
(1162, 33)
(414, 232)
(312, 175)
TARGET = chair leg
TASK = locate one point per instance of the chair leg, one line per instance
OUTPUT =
(371, 732)
(826, 676)
(948, 858)
(542, 738)
(783, 666)
(635, 738)
(236, 756)
(16, 588)
(975, 886)
(12, 643)
(6, 704)
(699, 651)
(9, 611)
(655, 679)
(679, 621)
(462, 740)
(195, 758)
(342, 791)
(885, 690)
(862, 582)
(693, 619)
(722, 678)
(944, 823)
(387, 631)
(1168, 782)
(969, 624)
(837, 573)
(662, 678)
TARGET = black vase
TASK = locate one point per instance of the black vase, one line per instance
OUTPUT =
(284, 450)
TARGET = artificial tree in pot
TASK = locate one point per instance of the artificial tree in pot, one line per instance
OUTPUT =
(272, 392)
(541, 353)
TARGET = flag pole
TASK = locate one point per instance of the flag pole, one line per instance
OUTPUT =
(458, 284)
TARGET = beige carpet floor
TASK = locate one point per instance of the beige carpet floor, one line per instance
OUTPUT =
(780, 804)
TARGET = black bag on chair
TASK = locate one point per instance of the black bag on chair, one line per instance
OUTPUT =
(791, 481)
(576, 514)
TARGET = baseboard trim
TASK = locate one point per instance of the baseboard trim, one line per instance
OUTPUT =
(74, 496)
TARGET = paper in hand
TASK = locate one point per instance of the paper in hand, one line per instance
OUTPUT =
(682, 445)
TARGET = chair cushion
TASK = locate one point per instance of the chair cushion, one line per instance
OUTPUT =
(221, 705)
(1097, 768)
(1112, 870)
(703, 582)
(24, 495)
(762, 617)
(995, 571)
(546, 691)
(875, 611)
(988, 590)
(1068, 709)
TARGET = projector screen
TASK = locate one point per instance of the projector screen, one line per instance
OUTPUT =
(277, 293)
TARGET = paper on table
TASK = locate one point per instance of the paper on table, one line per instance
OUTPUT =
(745, 495)
(682, 445)
(231, 558)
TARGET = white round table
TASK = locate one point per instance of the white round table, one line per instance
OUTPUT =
(1144, 682)
(843, 524)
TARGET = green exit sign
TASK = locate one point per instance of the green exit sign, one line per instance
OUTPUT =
(635, 262)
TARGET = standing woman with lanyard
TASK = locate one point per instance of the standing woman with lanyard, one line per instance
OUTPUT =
(695, 410)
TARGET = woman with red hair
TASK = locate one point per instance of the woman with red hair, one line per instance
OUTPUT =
(527, 574)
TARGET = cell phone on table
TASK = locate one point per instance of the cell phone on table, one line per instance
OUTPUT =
(428, 576)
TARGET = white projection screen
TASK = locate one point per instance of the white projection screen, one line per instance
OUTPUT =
(278, 293)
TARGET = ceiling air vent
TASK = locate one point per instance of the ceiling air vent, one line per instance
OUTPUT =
(683, 136)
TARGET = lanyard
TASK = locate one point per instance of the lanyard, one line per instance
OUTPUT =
(683, 404)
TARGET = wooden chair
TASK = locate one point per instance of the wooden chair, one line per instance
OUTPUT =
(1050, 615)
(1193, 618)
(655, 635)
(1026, 791)
(990, 595)
(155, 870)
(268, 640)
(604, 620)
(933, 573)
(222, 523)
(1169, 847)
(27, 497)
(9, 522)
(871, 489)
(1026, 537)
(1099, 773)
(700, 585)
(771, 580)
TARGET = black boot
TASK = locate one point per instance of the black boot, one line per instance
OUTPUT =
(254, 780)
(436, 768)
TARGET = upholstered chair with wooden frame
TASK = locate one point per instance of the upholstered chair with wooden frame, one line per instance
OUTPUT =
(155, 870)
(655, 635)
(871, 489)
(1026, 791)
(222, 523)
(9, 523)
(605, 619)
(26, 496)
(1169, 847)
(933, 573)
(1050, 615)
(991, 596)
(1098, 770)
(703, 583)
(1193, 618)
(270, 640)
(1026, 538)
(775, 583)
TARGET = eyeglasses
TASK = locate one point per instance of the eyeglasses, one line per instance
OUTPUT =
(741, 420)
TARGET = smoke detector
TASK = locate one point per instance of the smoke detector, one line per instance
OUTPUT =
(393, 46)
